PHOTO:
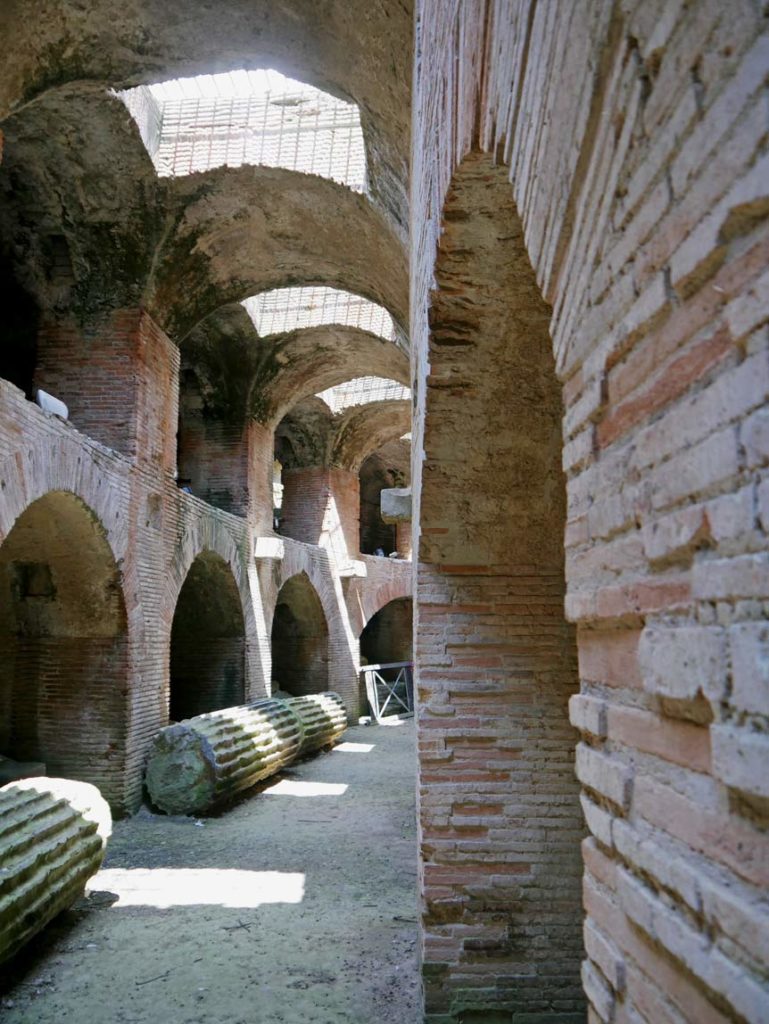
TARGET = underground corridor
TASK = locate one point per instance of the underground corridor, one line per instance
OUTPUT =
(384, 512)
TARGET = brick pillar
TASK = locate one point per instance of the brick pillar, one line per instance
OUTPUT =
(119, 380)
(321, 505)
(261, 453)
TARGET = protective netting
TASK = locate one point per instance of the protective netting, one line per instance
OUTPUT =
(362, 390)
(286, 309)
(249, 117)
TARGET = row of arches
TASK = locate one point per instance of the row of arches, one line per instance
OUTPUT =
(66, 671)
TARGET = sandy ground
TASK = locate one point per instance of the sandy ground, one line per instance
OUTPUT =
(297, 905)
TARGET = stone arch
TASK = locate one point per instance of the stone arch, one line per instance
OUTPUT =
(208, 641)
(64, 644)
(490, 619)
(300, 639)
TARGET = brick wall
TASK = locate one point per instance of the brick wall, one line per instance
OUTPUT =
(634, 139)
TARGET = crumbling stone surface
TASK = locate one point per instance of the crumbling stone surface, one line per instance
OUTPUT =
(53, 834)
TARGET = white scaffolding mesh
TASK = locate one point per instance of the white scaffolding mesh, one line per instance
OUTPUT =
(361, 391)
(286, 309)
(252, 117)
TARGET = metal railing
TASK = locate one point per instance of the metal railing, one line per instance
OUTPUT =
(389, 689)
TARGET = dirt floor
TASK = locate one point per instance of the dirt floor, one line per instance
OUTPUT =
(297, 905)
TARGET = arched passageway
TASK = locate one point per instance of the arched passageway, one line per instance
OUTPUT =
(388, 634)
(63, 645)
(300, 653)
(496, 659)
(208, 643)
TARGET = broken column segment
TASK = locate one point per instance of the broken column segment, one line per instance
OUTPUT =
(53, 833)
(323, 719)
(199, 762)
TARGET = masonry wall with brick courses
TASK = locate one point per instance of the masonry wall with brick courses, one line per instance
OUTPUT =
(119, 380)
(227, 463)
(154, 533)
(645, 221)
(404, 540)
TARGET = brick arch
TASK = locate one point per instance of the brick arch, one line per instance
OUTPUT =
(55, 463)
(299, 638)
(207, 535)
(343, 647)
(208, 641)
(322, 583)
(64, 641)
(41, 469)
(210, 534)
(496, 660)
(373, 601)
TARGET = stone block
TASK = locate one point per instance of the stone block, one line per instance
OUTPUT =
(395, 503)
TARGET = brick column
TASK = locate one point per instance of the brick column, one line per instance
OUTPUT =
(321, 505)
(119, 380)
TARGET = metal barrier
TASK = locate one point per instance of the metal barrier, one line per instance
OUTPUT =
(390, 686)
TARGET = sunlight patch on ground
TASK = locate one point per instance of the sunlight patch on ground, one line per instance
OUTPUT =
(189, 887)
(289, 787)
(355, 748)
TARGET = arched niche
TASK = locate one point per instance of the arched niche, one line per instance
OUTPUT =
(388, 635)
(64, 679)
(496, 658)
(300, 654)
(208, 641)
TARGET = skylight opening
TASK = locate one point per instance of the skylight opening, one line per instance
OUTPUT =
(248, 117)
(361, 391)
(288, 309)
